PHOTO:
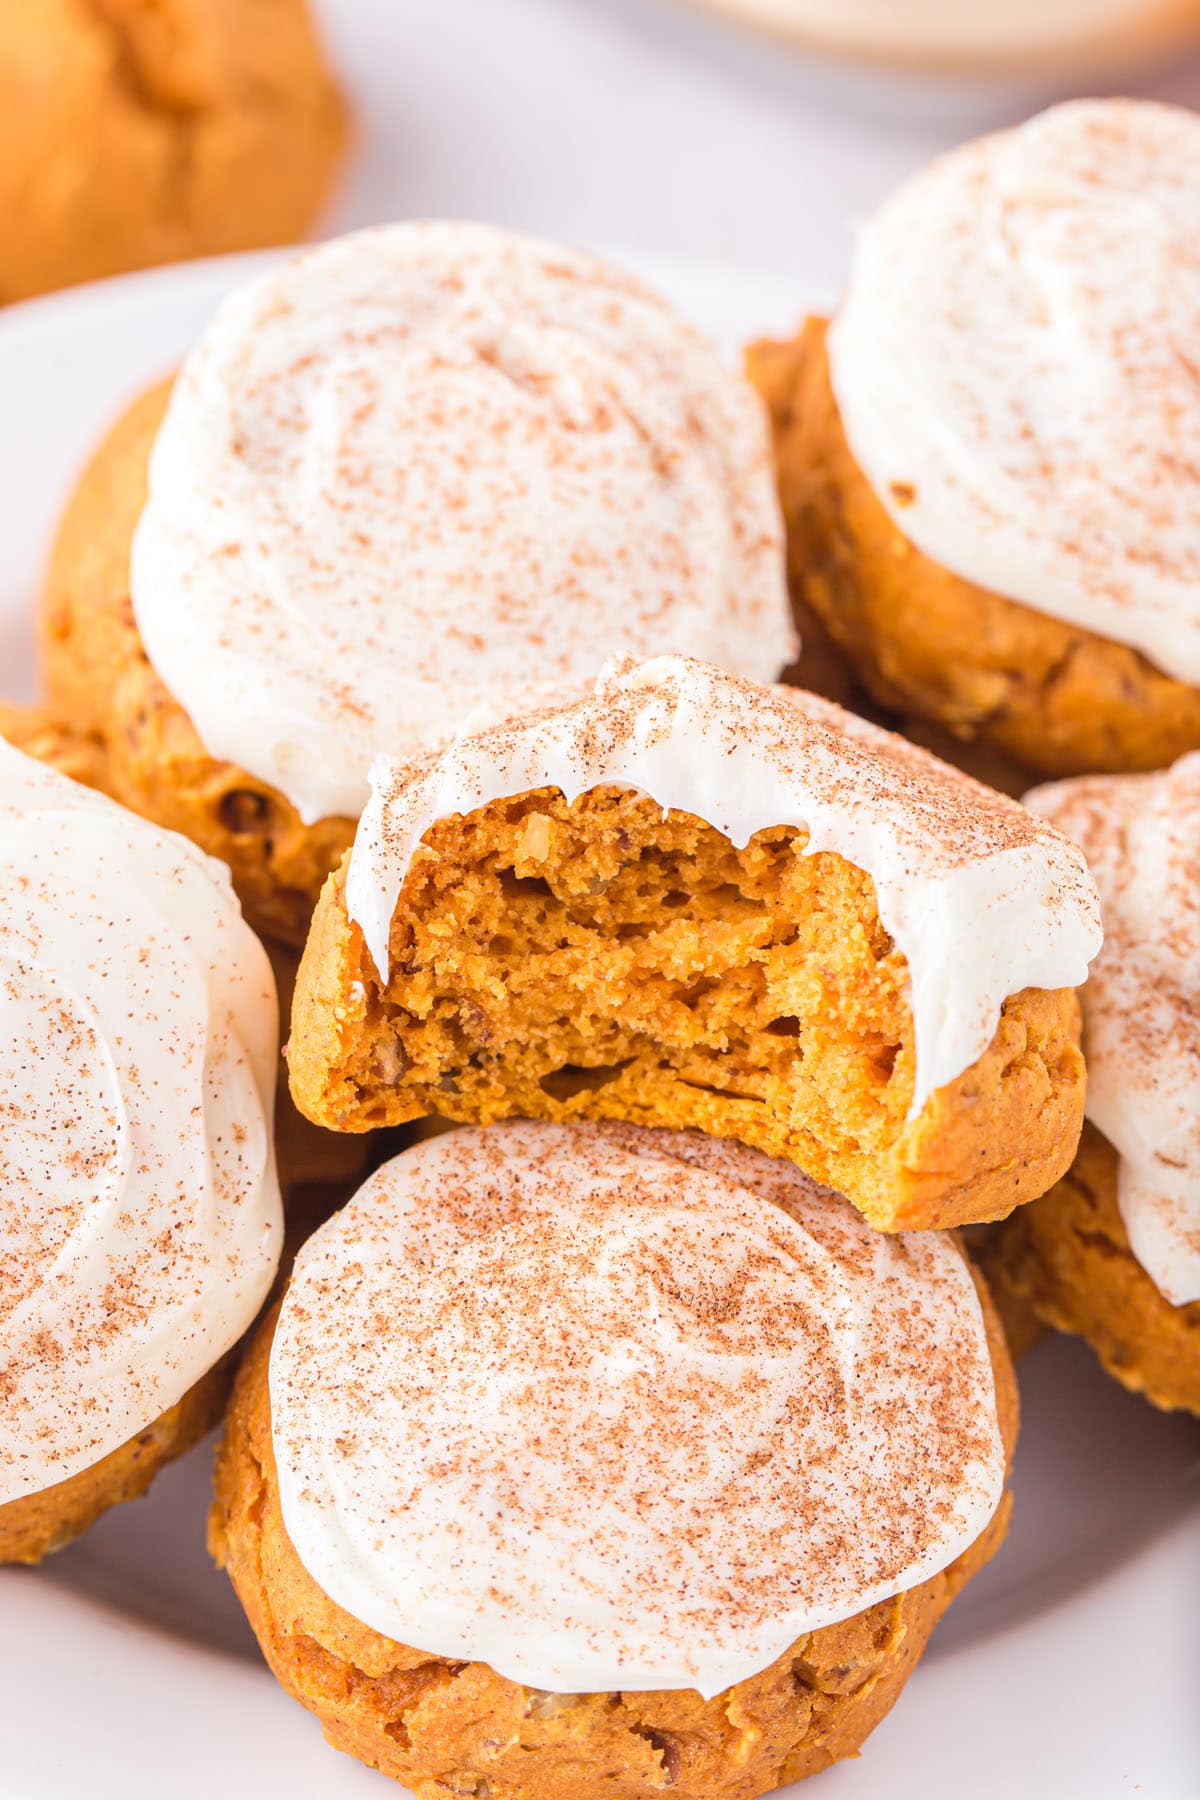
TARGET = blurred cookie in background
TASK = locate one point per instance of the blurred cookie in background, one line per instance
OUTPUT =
(135, 132)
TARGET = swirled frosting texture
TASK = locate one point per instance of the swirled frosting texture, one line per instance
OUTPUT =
(606, 1407)
(1141, 1005)
(1015, 364)
(142, 1221)
(982, 898)
(434, 467)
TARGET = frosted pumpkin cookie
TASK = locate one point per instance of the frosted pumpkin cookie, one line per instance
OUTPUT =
(988, 461)
(316, 1167)
(141, 1223)
(686, 899)
(1113, 1251)
(569, 1465)
(135, 133)
(419, 471)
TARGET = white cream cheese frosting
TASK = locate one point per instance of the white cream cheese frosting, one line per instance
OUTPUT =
(1141, 1005)
(982, 898)
(141, 1224)
(606, 1407)
(433, 467)
(1015, 365)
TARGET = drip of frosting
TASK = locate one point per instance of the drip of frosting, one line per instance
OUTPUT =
(605, 1407)
(1141, 836)
(1015, 367)
(142, 1220)
(982, 898)
(433, 467)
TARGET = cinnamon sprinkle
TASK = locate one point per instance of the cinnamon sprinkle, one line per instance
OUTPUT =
(137, 1031)
(603, 1406)
(1141, 1005)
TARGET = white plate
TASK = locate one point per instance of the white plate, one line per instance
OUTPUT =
(1068, 1670)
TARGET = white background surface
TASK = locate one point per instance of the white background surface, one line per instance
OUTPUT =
(1069, 1670)
(643, 122)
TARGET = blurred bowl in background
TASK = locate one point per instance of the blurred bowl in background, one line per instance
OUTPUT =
(1037, 38)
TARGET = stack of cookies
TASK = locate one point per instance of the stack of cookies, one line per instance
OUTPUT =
(629, 1427)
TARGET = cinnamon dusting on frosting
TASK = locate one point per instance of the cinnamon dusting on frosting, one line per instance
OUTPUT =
(1141, 1005)
(1016, 371)
(602, 1406)
(142, 1224)
(432, 467)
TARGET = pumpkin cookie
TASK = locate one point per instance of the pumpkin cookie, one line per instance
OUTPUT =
(1113, 1251)
(97, 671)
(420, 471)
(48, 1519)
(78, 754)
(138, 1041)
(476, 1493)
(146, 131)
(1066, 1260)
(987, 462)
(685, 899)
(316, 1167)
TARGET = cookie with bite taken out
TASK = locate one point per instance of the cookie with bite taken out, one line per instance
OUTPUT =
(687, 899)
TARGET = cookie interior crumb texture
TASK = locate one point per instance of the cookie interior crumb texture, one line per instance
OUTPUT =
(599, 960)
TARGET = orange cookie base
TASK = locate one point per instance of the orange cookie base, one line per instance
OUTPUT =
(1060, 700)
(593, 960)
(1067, 1259)
(445, 1727)
(98, 675)
(37, 1524)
